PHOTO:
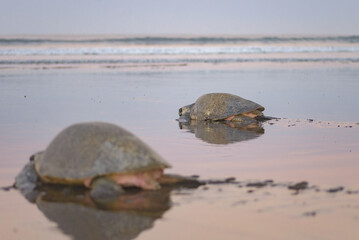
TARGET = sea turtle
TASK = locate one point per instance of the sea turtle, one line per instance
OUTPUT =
(100, 156)
(222, 106)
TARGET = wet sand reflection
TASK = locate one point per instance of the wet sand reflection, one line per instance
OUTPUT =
(78, 215)
(223, 132)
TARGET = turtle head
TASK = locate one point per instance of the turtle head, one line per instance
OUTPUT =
(36, 156)
(186, 110)
(185, 113)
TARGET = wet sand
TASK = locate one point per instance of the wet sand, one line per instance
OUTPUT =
(316, 141)
(266, 213)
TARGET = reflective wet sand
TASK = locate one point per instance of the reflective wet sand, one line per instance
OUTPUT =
(36, 105)
(266, 213)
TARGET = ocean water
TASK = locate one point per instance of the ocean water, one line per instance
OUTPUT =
(117, 50)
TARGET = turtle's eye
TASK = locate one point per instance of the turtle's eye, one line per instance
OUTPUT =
(180, 112)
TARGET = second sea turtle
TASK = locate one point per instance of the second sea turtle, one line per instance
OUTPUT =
(222, 106)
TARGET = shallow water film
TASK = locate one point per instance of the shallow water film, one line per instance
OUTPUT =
(294, 177)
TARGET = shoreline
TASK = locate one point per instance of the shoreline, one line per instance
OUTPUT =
(177, 67)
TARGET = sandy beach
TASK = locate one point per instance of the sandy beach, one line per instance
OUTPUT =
(315, 140)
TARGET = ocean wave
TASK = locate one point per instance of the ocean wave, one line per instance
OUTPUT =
(182, 60)
(176, 50)
(153, 40)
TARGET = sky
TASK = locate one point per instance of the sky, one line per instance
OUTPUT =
(232, 17)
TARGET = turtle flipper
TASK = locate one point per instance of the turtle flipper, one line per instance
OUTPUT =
(175, 180)
(265, 118)
(105, 188)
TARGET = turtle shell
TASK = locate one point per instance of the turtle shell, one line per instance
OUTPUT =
(219, 106)
(87, 150)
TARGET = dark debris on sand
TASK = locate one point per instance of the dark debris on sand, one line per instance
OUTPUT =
(334, 190)
(222, 181)
(7, 188)
(310, 214)
(353, 192)
(296, 187)
(299, 186)
(260, 184)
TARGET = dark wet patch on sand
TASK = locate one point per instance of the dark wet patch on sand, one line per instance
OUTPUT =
(286, 122)
(251, 185)
(296, 200)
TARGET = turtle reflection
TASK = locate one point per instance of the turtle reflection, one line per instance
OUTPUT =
(223, 132)
(82, 217)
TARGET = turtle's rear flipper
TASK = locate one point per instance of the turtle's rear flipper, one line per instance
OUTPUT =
(265, 118)
(173, 180)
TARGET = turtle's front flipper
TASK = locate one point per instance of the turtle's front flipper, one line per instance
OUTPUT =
(105, 189)
(179, 181)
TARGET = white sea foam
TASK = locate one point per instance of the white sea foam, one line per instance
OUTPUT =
(116, 50)
(176, 50)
